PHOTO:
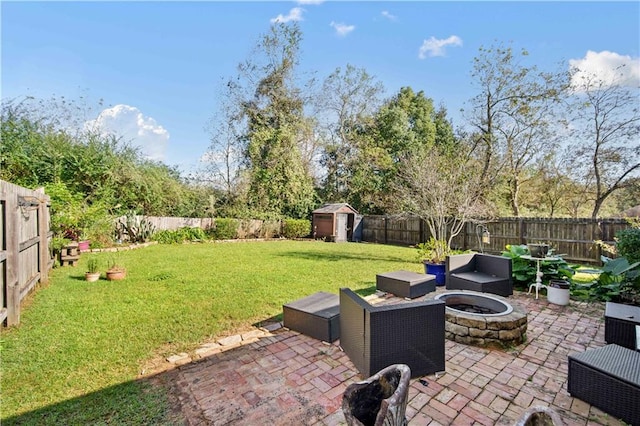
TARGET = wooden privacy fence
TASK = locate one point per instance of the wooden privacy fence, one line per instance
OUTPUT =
(247, 228)
(573, 238)
(25, 259)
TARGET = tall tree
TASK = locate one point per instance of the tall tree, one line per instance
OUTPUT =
(349, 98)
(278, 181)
(223, 159)
(404, 126)
(606, 122)
(511, 115)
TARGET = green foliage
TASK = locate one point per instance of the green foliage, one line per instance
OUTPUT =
(114, 262)
(524, 270)
(296, 228)
(616, 278)
(193, 234)
(628, 244)
(225, 229)
(433, 251)
(93, 264)
(279, 182)
(166, 236)
(137, 229)
(56, 244)
(90, 177)
(179, 236)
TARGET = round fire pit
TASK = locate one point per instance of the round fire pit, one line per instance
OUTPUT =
(483, 320)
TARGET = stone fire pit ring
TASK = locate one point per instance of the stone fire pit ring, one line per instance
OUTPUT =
(505, 328)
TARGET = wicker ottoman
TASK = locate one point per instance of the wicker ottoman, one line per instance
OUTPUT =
(317, 316)
(406, 283)
(620, 323)
(608, 378)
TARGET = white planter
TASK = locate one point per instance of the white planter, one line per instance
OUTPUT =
(558, 296)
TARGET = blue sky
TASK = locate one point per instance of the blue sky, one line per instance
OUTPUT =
(158, 65)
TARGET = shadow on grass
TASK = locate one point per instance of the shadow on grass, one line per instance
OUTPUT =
(141, 401)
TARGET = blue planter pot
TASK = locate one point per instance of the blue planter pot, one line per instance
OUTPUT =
(437, 269)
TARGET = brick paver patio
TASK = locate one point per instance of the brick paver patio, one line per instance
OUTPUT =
(286, 378)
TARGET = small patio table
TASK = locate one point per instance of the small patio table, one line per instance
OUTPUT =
(538, 284)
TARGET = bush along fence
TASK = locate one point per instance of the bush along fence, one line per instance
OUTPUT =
(572, 238)
(25, 258)
(169, 230)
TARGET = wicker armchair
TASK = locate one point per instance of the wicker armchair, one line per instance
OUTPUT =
(484, 273)
(375, 337)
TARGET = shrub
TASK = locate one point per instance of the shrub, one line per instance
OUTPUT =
(167, 237)
(628, 244)
(179, 236)
(618, 280)
(225, 229)
(193, 234)
(296, 228)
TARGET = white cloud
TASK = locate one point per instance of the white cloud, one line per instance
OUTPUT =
(342, 29)
(608, 67)
(129, 123)
(389, 16)
(295, 14)
(435, 47)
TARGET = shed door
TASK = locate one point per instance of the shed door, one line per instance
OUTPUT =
(341, 227)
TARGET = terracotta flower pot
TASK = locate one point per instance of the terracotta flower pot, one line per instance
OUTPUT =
(92, 276)
(116, 274)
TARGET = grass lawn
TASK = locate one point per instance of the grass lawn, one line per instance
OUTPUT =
(80, 346)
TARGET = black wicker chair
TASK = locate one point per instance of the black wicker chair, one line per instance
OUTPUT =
(484, 273)
(375, 337)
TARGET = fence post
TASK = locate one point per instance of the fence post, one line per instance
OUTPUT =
(13, 258)
(43, 233)
(598, 235)
(464, 237)
(522, 230)
(385, 219)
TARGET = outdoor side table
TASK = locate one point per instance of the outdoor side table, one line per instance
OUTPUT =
(608, 378)
(538, 284)
(620, 323)
(406, 283)
(317, 316)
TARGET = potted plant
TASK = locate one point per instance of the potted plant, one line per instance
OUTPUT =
(83, 241)
(92, 274)
(433, 254)
(116, 271)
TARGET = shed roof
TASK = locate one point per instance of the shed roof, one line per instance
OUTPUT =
(335, 208)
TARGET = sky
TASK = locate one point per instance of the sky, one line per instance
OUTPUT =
(159, 66)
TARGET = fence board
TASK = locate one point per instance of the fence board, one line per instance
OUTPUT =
(24, 250)
(573, 238)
